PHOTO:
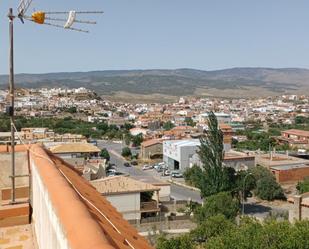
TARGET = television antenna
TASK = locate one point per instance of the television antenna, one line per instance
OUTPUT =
(60, 19)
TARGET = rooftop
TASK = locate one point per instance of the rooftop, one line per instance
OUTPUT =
(121, 184)
(297, 132)
(75, 148)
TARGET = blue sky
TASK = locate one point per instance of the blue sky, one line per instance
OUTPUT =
(144, 34)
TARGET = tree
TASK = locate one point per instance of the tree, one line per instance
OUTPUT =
(72, 109)
(182, 242)
(268, 189)
(137, 140)
(211, 156)
(221, 203)
(104, 154)
(189, 121)
(266, 186)
(303, 187)
(168, 126)
(126, 152)
(194, 176)
(211, 227)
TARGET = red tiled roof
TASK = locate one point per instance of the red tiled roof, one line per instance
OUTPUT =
(151, 142)
(297, 132)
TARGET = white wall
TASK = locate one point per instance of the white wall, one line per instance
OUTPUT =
(48, 229)
(127, 204)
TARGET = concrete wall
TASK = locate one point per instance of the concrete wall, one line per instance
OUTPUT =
(164, 193)
(127, 204)
(48, 228)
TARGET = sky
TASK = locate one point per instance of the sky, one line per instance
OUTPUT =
(166, 34)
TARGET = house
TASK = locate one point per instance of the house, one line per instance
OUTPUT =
(126, 195)
(292, 173)
(75, 150)
(295, 138)
(151, 148)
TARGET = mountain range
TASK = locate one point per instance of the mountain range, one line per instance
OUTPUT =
(170, 84)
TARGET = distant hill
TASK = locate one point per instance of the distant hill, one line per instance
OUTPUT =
(234, 82)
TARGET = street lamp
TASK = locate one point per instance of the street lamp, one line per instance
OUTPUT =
(243, 194)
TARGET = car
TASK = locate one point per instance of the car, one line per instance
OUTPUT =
(177, 174)
(111, 171)
(167, 173)
(134, 163)
(126, 164)
(146, 167)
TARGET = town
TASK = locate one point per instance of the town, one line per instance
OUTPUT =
(145, 158)
(154, 124)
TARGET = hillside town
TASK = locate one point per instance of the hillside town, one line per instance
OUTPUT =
(154, 125)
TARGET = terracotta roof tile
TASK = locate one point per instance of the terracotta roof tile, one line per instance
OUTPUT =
(89, 219)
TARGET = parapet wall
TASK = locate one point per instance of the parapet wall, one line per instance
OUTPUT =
(60, 219)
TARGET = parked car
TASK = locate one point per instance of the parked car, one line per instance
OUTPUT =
(111, 171)
(146, 167)
(159, 169)
(167, 173)
(126, 164)
(134, 163)
(176, 174)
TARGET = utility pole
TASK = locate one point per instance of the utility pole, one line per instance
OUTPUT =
(11, 108)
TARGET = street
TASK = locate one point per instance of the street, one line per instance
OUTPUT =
(177, 192)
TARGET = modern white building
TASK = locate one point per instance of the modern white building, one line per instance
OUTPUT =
(177, 153)
(182, 154)
(221, 117)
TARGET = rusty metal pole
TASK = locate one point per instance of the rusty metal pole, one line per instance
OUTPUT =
(11, 83)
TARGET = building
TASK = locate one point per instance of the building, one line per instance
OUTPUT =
(292, 173)
(75, 150)
(151, 149)
(295, 138)
(125, 194)
(221, 117)
(182, 154)
(66, 211)
(177, 153)
(34, 134)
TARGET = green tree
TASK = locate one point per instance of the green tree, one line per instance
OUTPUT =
(126, 152)
(104, 154)
(211, 156)
(182, 242)
(72, 109)
(266, 186)
(137, 140)
(268, 189)
(211, 227)
(194, 176)
(303, 187)
(221, 203)
(168, 126)
(189, 121)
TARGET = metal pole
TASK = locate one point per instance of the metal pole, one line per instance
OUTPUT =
(11, 82)
(243, 194)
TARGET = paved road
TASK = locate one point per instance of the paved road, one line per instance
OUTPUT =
(177, 192)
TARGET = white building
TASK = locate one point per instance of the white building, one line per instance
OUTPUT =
(221, 117)
(124, 193)
(182, 154)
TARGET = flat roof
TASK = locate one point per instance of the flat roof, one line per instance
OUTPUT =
(120, 185)
(74, 148)
(291, 166)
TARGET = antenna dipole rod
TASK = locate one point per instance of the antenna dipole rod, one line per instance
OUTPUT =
(64, 20)
(11, 111)
(77, 12)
